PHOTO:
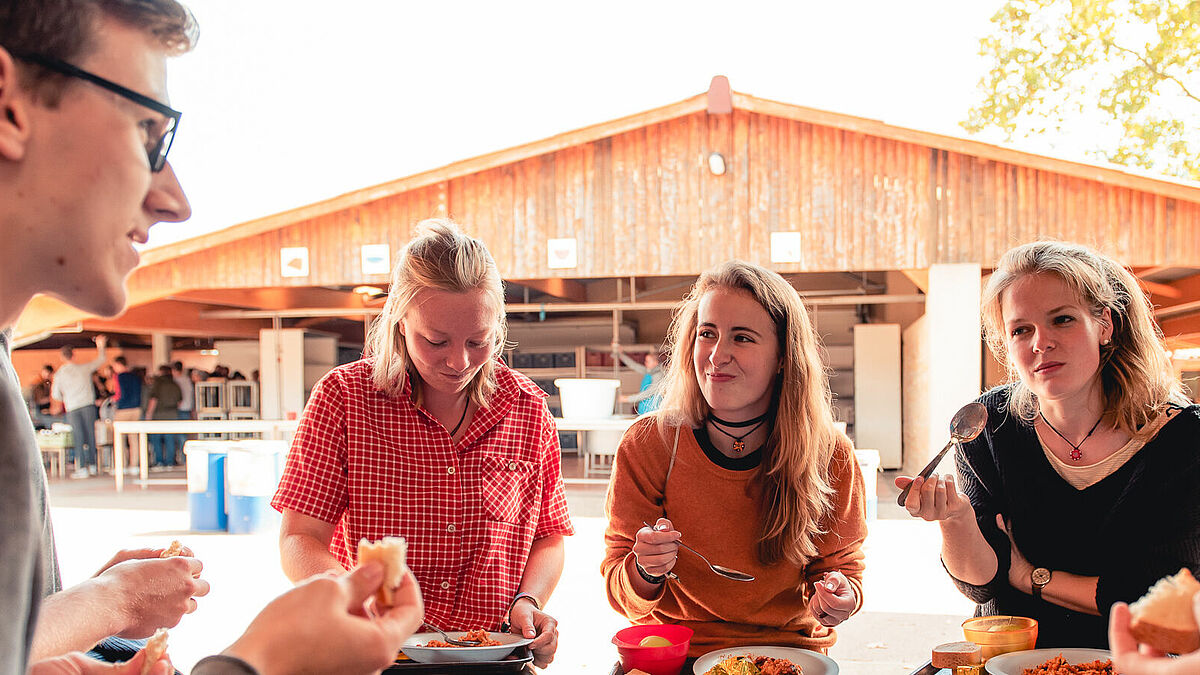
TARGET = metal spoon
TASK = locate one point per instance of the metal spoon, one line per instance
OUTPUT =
(449, 640)
(966, 425)
(718, 569)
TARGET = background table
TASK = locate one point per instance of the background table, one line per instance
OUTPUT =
(277, 429)
(595, 458)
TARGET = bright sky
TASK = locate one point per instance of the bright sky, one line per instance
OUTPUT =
(287, 102)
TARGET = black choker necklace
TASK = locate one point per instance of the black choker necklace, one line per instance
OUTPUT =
(750, 422)
(1076, 453)
(739, 445)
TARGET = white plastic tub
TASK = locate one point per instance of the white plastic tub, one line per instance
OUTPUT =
(587, 398)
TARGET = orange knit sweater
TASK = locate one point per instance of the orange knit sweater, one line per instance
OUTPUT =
(717, 510)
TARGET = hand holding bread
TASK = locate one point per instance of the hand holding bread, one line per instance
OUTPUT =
(1164, 617)
(1165, 620)
(392, 554)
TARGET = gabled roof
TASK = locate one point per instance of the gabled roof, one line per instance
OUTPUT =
(1166, 187)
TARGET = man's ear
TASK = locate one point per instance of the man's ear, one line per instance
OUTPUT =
(14, 109)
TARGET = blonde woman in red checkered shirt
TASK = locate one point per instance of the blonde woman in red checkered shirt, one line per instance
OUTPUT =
(431, 437)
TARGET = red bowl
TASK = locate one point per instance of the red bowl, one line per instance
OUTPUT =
(653, 660)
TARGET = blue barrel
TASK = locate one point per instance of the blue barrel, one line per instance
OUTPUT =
(206, 484)
(253, 469)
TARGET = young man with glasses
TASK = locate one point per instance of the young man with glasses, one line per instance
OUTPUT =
(84, 136)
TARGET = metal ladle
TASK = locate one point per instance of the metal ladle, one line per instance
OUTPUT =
(717, 569)
(966, 425)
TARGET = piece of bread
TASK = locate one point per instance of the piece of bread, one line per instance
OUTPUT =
(392, 553)
(156, 646)
(1164, 619)
(954, 654)
(173, 550)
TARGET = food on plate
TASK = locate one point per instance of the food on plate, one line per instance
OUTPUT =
(954, 654)
(655, 641)
(754, 665)
(1059, 666)
(734, 665)
(392, 553)
(477, 634)
(156, 646)
(1163, 617)
(176, 548)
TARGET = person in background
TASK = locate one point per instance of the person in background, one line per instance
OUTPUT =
(163, 404)
(83, 177)
(102, 385)
(74, 393)
(1092, 441)
(128, 408)
(742, 457)
(432, 438)
(187, 404)
(41, 399)
(648, 397)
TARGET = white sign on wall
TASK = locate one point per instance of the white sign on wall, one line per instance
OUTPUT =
(562, 254)
(376, 258)
(293, 261)
(786, 247)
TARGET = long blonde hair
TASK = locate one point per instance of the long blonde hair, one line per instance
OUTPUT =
(795, 466)
(1137, 378)
(439, 257)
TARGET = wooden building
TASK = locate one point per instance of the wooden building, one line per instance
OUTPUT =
(881, 223)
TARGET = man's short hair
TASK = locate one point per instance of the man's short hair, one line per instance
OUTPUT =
(47, 366)
(65, 30)
(121, 360)
(67, 352)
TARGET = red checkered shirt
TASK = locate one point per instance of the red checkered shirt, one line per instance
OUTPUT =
(380, 466)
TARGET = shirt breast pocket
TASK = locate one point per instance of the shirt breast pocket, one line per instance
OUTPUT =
(509, 488)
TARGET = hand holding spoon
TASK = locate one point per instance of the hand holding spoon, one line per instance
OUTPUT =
(966, 425)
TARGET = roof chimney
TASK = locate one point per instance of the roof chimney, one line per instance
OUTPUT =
(720, 99)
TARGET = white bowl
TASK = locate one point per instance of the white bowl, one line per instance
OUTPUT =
(412, 648)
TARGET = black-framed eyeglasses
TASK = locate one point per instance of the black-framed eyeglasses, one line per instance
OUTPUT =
(158, 141)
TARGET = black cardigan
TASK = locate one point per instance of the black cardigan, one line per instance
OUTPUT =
(1132, 528)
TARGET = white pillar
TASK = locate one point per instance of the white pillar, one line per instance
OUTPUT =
(877, 422)
(955, 349)
(160, 350)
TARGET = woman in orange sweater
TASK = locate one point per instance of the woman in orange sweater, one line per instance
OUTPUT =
(744, 459)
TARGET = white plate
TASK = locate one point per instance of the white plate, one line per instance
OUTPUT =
(811, 662)
(1013, 663)
(460, 654)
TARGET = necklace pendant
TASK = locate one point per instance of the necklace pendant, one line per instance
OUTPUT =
(1076, 454)
(739, 446)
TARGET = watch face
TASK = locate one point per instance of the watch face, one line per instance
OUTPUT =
(1041, 576)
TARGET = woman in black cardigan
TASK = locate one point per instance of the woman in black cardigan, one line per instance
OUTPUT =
(1084, 488)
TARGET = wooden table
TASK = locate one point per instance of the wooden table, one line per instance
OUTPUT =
(595, 461)
(277, 429)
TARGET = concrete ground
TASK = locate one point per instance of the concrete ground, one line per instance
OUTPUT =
(910, 604)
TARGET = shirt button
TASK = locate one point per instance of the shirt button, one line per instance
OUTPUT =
(445, 585)
(450, 528)
(450, 470)
(512, 466)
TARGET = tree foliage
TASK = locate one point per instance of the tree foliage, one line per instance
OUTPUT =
(1131, 66)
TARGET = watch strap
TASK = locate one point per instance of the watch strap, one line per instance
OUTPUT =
(647, 577)
(505, 625)
(532, 598)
